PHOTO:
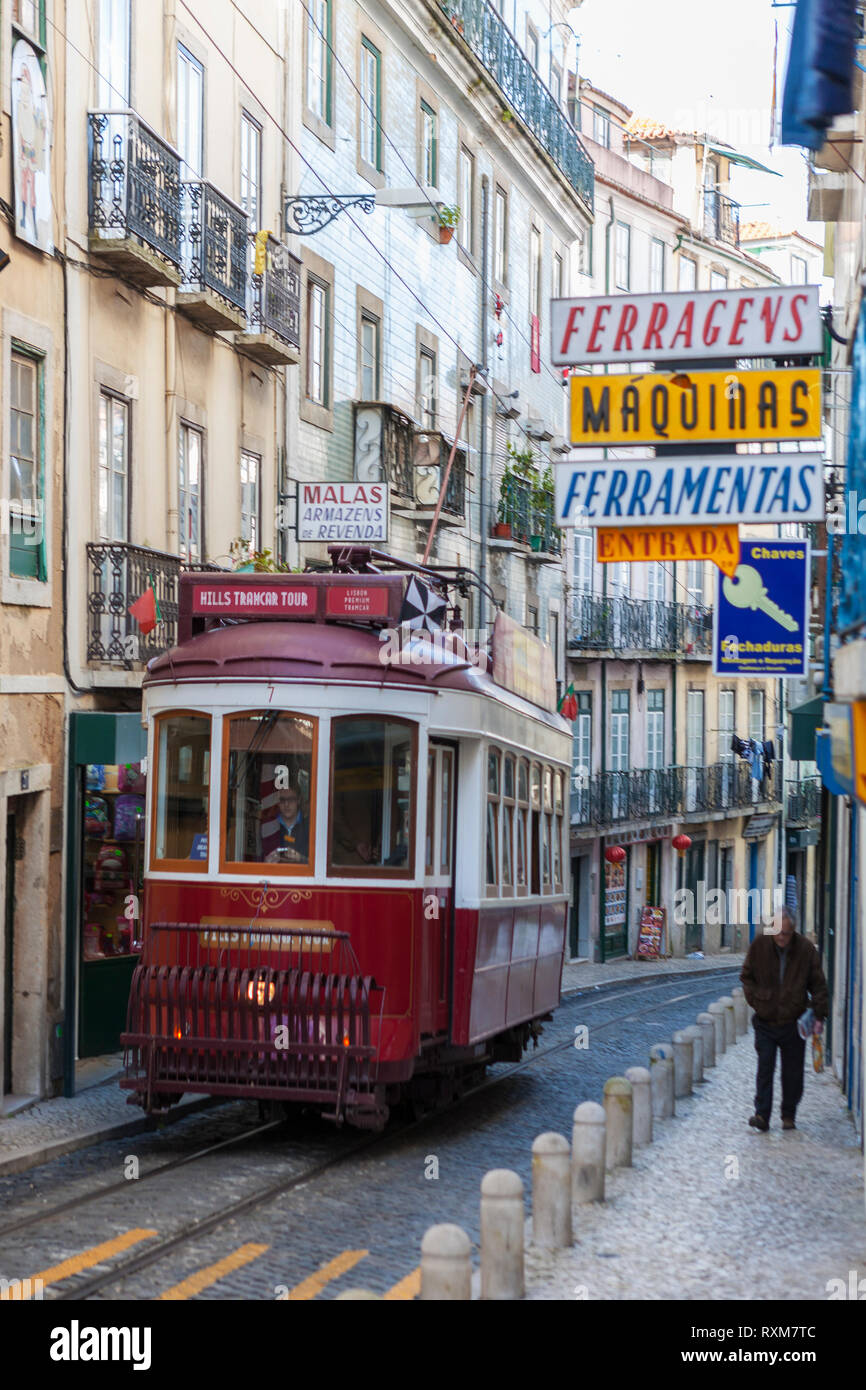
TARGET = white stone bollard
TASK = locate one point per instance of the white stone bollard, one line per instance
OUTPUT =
(501, 1235)
(717, 1014)
(642, 1105)
(662, 1080)
(697, 1037)
(551, 1192)
(446, 1264)
(618, 1114)
(741, 1013)
(730, 1020)
(683, 1065)
(587, 1153)
(708, 1029)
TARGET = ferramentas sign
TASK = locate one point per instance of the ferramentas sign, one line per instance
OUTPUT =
(686, 326)
(701, 489)
(343, 512)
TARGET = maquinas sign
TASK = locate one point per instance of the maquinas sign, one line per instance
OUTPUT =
(681, 327)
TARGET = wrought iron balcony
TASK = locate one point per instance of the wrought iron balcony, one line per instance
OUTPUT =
(612, 798)
(498, 51)
(431, 451)
(803, 801)
(694, 630)
(273, 335)
(134, 198)
(117, 575)
(615, 623)
(216, 257)
(515, 507)
(721, 217)
(545, 536)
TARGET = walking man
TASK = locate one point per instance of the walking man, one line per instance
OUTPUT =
(782, 978)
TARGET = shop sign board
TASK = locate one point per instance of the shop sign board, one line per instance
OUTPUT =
(698, 490)
(721, 544)
(696, 407)
(686, 326)
(761, 615)
(351, 512)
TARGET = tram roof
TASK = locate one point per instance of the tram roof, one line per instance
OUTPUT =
(330, 653)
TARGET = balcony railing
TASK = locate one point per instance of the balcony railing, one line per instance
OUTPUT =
(721, 217)
(216, 243)
(544, 534)
(611, 798)
(134, 184)
(117, 575)
(497, 49)
(276, 294)
(803, 801)
(616, 623)
(431, 451)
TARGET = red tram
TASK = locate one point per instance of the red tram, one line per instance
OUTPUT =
(356, 883)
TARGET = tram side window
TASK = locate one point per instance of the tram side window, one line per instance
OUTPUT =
(182, 789)
(493, 785)
(547, 830)
(372, 796)
(508, 790)
(522, 820)
(558, 806)
(270, 789)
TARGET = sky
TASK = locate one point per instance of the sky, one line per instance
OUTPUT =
(705, 65)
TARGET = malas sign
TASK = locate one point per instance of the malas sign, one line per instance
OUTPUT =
(685, 326)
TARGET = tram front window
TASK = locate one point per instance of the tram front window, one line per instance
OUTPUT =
(372, 796)
(270, 789)
(182, 789)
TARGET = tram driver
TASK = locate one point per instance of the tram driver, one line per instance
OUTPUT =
(293, 831)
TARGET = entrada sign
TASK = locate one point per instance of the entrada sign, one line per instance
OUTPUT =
(682, 327)
(721, 544)
(705, 488)
(696, 407)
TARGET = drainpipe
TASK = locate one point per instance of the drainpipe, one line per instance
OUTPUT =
(483, 509)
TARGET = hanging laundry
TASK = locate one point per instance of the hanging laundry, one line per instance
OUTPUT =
(740, 746)
(791, 893)
(755, 756)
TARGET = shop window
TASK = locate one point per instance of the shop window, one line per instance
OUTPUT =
(270, 795)
(372, 821)
(113, 860)
(182, 796)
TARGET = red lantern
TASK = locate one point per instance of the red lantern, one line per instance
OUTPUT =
(681, 843)
(616, 854)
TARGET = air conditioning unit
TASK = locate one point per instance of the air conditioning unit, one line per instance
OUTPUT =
(537, 429)
(559, 444)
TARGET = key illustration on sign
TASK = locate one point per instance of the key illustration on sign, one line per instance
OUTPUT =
(747, 590)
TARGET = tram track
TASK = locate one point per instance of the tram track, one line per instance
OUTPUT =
(393, 1136)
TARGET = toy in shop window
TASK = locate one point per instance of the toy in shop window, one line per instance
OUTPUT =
(129, 817)
(97, 821)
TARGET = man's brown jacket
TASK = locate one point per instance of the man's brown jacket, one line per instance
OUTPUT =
(783, 1003)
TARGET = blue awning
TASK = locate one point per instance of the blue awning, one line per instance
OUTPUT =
(819, 80)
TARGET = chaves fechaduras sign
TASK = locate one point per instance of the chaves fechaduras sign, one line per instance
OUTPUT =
(343, 512)
(686, 326)
(696, 407)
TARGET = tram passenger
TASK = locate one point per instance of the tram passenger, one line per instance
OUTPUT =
(351, 840)
(293, 831)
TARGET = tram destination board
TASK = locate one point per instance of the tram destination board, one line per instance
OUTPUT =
(207, 599)
(696, 407)
(686, 325)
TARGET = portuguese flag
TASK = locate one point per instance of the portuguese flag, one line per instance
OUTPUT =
(146, 610)
(567, 706)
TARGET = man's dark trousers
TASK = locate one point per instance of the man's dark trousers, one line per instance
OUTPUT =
(784, 1036)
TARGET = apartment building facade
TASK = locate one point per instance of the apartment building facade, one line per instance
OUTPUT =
(653, 755)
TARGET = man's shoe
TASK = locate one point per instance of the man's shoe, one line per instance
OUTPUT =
(758, 1122)
(788, 1123)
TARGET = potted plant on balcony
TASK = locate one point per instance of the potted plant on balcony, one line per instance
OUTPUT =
(449, 216)
(542, 497)
(517, 479)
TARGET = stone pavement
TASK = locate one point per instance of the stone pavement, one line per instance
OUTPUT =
(51, 1128)
(713, 1209)
(588, 975)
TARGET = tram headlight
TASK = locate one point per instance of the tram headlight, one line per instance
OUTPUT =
(261, 992)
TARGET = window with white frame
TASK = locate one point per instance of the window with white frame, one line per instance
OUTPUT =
(655, 728)
(189, 475)
(251, 465)
(557, 282)
(318, 295)
(370, 357)
(623, 256)
(113, 467)
(726, 725)
(112, 77)
(427, 388)
(688, 273)
(27, 546)
(251, 170)
(799, 270)
(657, 266)
(534, 272)
(619, 730)
(583, 561)
(371, 104)
(500, 244)
(601, 126)
(466, 196)
(429, 145)
(756, 714)
(718, 279)
(318, 77)
(695, 581)
(190, 113)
